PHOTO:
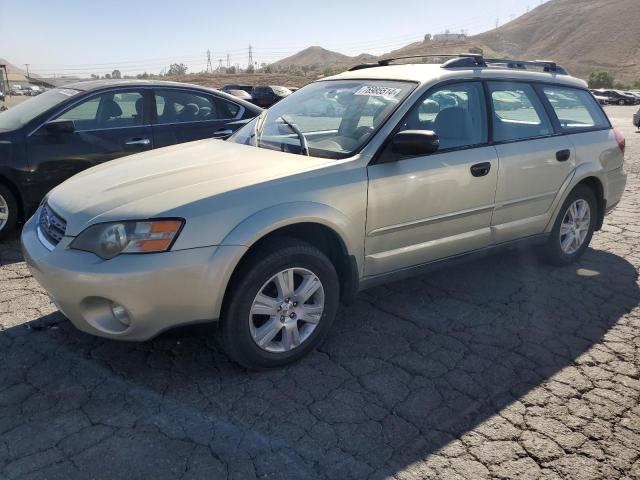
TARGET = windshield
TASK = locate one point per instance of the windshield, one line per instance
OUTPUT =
(333, 118)
(23, 113)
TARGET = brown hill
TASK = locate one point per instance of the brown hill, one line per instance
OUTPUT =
(582, 35)
(314, 56)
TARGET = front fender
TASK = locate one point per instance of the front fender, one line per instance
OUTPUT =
(263, 222)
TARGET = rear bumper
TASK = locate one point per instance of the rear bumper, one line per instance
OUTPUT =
(616, 182)
(158, 291)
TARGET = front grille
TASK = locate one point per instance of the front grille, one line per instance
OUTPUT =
(51, 225)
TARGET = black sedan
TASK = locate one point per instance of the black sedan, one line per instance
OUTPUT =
(49, 138)
(266, 95)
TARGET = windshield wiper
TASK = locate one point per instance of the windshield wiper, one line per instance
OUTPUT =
(304, 146)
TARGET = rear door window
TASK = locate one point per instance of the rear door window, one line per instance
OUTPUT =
(517, 112)
(181, 106)
(576, 109)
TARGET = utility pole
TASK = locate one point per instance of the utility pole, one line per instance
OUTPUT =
(27, 65)
(219, 64)
(209, 66)
(497, 22)
(228, 62)
(3, 68)
(250, 62)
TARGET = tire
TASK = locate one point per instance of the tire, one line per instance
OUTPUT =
(621, 102)
(8, 211)
(240, 326)
(554, 251)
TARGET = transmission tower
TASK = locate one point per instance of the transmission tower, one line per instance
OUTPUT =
(219, 64)
(228, 62)
(209, 66)
(250, 62)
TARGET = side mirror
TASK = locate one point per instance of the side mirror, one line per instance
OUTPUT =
(60, 126)
(415, 142)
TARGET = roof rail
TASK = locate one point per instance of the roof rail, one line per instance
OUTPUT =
(547, 65)
(472, 60)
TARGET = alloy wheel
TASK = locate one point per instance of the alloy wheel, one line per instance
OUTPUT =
(4, 212)
(286, 310)
(575, 226)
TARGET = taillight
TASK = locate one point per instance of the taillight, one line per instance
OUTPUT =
(622, 143)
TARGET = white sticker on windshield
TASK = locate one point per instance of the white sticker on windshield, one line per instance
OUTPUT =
(68, 92)
(372, 91)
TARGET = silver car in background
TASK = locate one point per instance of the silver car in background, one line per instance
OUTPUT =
(269, 230)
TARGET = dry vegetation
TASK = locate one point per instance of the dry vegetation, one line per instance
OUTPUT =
(217, 80)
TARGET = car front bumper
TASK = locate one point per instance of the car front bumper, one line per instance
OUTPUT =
(155, 291)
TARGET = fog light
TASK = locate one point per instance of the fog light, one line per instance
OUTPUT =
(121, 314)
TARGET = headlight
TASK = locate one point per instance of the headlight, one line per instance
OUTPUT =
(108, 240)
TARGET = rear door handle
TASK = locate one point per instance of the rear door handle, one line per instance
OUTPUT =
(563, 155)
(139, 141)
(480, 169)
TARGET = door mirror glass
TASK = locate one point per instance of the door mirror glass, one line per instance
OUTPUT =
(415, 142)
(60, 126)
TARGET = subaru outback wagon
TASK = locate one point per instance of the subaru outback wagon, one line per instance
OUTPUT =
(269, 230)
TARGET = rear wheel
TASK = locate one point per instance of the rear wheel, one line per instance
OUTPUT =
(573, 228)
(280, 305)
(8, 211)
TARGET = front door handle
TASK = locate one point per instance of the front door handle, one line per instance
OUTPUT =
(563, 155)
(480, 169)
(225, 132)
(139, 141)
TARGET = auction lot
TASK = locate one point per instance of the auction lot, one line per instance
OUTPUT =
(501, 368)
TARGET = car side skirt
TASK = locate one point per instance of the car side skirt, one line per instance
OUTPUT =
(527, 242)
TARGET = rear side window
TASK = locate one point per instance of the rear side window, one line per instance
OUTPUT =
(517, 112)
(181, 106)
(576, 109)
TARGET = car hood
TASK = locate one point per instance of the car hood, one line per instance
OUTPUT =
(165, 182)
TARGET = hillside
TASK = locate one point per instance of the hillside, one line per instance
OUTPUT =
(314, 56)
(581, 35)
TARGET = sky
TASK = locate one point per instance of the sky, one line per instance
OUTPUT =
(80, 37)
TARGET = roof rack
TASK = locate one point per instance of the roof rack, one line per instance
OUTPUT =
(547, 65)
(472, 60)
(474, 57)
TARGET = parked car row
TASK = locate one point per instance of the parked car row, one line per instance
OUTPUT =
(261, 95)
(269, 230)
(616, 97)
(29, 90)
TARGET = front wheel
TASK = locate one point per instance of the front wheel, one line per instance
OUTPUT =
(8, 211)
(280, 306)
(573, 228)
(621, 102)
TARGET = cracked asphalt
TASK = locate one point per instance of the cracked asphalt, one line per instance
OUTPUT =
(501, 368)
